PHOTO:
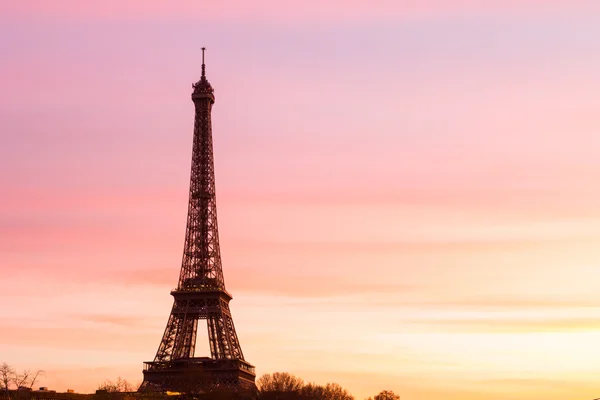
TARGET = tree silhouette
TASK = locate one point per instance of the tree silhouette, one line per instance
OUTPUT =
(121, 385)
(285, 386)
(6, 377)
(387, 395)
(331, 391)
(279, 382)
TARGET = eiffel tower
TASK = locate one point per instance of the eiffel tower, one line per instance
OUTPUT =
(200, 293)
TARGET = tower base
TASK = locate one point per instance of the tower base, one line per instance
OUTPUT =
(196, 375)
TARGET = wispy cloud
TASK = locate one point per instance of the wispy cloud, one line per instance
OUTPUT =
(511, 325)
(127, 321)
(75, 337)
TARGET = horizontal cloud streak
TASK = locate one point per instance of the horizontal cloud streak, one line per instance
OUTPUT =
(499, 326)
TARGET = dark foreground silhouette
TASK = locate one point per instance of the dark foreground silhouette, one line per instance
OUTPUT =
(276, 386)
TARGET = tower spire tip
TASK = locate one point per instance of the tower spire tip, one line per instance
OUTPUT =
(203, 66)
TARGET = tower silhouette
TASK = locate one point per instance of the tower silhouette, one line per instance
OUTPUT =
(200, 293)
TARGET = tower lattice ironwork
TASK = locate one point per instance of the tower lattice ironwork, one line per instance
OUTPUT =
(200, 293)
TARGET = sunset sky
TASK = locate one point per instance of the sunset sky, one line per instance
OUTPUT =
(408, 191)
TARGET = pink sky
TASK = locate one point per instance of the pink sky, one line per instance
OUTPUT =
(270, 10)
(407, 194)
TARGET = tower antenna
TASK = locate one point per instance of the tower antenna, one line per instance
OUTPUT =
(203, 66)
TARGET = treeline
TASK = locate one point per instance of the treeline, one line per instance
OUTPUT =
(276, 386)
(285, 386)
